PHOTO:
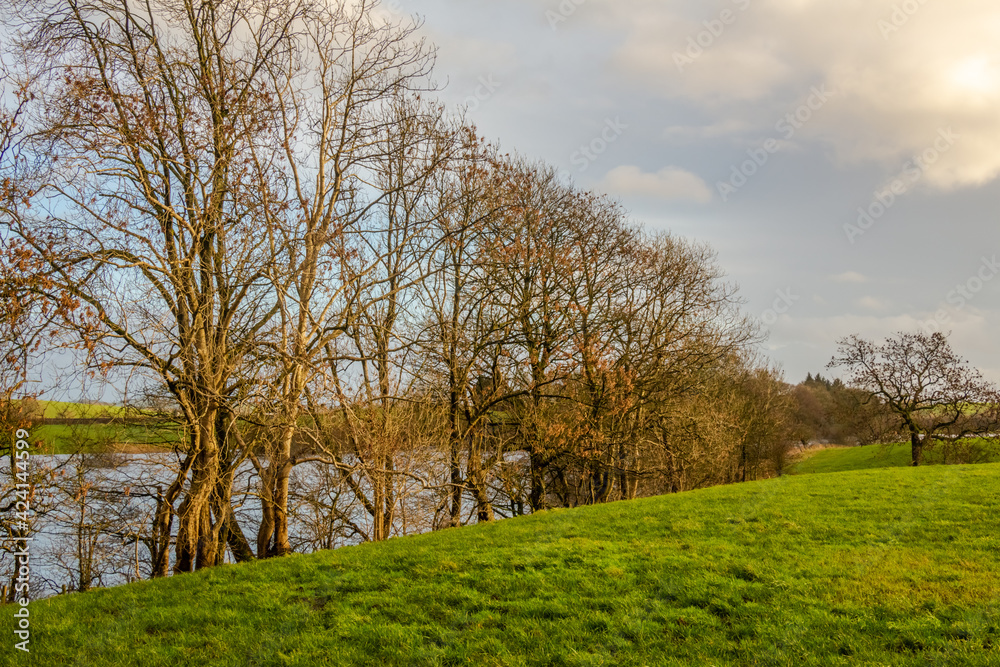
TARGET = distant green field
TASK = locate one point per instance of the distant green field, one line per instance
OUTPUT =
(841, 459)
(93, 438)
(64, 410)
(100, 437)
(878, 567)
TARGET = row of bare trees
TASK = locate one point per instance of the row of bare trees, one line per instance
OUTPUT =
(257, 212)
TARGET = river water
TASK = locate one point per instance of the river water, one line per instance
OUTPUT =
(98, 502)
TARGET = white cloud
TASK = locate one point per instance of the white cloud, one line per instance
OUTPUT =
(669, 184)
(871, 303)
(972, 333)
(900, 77)
(723, 128)
(893, 95)
(850, 277)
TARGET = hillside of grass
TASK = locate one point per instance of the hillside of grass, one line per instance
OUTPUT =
(896, 455)
(888, 567)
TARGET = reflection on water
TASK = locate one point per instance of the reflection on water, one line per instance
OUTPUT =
(89, 524)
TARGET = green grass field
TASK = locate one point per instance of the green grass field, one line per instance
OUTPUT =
(842, 459)
(880, 567)
(98, 438)
(65, 410)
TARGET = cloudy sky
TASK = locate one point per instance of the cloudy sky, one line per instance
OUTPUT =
(842, 156)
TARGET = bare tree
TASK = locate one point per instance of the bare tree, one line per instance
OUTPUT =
(150, 113)
(358, 147)
(936, 395)
(602, 325)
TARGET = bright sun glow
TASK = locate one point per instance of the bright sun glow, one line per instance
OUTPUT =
(976, 75)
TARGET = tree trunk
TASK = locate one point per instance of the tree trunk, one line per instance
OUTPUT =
(272, 537)
(195, 546)
(537, 499)
(477, 483)
(383, 498)
(916, 449)
(163, 520)
(455, 439)
(235, 538)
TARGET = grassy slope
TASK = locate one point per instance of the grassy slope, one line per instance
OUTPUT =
(888, 567)
(843, 459)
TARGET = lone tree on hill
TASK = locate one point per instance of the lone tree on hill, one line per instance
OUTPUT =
(935, 394)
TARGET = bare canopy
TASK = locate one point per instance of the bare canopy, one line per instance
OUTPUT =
(935, 394)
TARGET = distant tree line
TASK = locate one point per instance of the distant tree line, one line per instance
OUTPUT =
(828, 411)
